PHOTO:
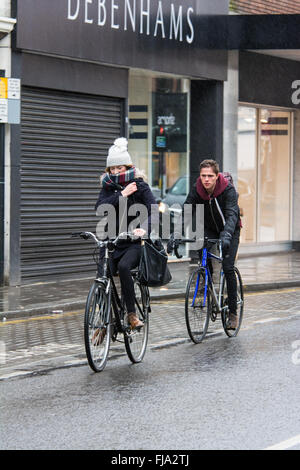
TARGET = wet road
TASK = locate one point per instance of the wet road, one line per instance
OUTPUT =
(241, 393)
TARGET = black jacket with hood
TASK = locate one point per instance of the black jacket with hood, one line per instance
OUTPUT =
(221, 210)
(143, 195)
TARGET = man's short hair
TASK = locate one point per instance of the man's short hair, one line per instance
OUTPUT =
(210, 163)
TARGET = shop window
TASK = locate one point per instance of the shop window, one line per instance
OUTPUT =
(247, 172)
(264, 167)
(274, 176)
(158, 128)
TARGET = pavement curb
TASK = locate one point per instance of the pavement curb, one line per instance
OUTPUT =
(271, 285)
(64, 306)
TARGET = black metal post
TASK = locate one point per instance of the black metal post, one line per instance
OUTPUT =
(2, 176)
(2, 166)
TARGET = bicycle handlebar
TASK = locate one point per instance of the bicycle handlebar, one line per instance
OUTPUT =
(206, 239)
(100, 243)
(193, 240)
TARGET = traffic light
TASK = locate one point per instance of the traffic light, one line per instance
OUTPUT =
(161, 138)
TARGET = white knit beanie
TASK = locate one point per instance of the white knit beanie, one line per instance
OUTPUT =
(118, 153)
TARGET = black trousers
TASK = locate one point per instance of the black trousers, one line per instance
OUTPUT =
(123, 261)
(228, 268)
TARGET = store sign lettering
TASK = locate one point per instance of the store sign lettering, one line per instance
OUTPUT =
(296, 94)
(167, 25)
(166, 120)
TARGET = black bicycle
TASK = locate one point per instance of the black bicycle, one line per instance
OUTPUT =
(203, 301)
(106, 318)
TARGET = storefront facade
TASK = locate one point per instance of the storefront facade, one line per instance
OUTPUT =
(92, 71)
(267, 156)
(263, 134)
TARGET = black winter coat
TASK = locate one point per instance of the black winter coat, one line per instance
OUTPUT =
(221, 211)
(143, 195)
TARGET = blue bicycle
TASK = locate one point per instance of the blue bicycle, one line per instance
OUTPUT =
(203, 301)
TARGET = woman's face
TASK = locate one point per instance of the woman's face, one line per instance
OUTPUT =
(114, 170)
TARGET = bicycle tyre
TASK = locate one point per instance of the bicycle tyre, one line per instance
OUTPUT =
(240, 304)
(136, 340)
(96, 324)
(197, 306)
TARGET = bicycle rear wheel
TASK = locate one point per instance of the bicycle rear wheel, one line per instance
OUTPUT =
(136, 340)
(240, 304)
(197, 306)
(97, 327)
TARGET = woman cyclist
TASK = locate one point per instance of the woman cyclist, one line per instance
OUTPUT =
(123, 180)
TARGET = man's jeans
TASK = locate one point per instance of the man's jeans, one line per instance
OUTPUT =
(228, 268)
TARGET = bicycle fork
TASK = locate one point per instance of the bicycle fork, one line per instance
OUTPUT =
(209, 285)
(197, 287)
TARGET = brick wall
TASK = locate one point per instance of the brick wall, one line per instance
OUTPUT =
(256, 7)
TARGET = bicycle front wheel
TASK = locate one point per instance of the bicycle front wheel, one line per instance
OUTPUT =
(240, 304)
(97, 327)
(197, 306)
(136, 340)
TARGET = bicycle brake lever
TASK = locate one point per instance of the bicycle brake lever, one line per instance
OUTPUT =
(83, 235)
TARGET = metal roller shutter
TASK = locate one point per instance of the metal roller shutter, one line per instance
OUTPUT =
(64, 142)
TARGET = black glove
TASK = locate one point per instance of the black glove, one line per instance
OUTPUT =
(225, 237)
(172, 244)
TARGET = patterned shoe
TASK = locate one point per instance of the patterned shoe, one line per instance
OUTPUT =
(233, 322)
(98, 336)
(134, 321)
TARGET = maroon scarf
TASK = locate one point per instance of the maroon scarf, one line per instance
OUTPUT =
(221, 184)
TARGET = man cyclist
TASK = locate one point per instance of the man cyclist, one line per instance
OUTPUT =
(221, 220)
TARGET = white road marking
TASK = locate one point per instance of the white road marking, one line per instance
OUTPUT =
(293, 441)
(267, 320)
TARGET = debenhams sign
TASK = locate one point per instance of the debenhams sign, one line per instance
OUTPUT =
(159, 35)
(143, 16)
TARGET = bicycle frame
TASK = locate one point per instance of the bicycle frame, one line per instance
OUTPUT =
(208, 279)
(106, 279)
(105, 310)
(203, 302)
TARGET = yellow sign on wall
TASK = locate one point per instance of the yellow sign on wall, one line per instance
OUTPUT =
(3, 87)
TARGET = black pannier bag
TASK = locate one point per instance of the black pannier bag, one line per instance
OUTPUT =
(153, 268)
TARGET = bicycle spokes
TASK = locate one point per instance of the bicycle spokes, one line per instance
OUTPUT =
(197, 306)
(239, 306)
(97, 327)
(136, 339)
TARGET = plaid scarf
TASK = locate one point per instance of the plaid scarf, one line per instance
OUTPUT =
(119, 180)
